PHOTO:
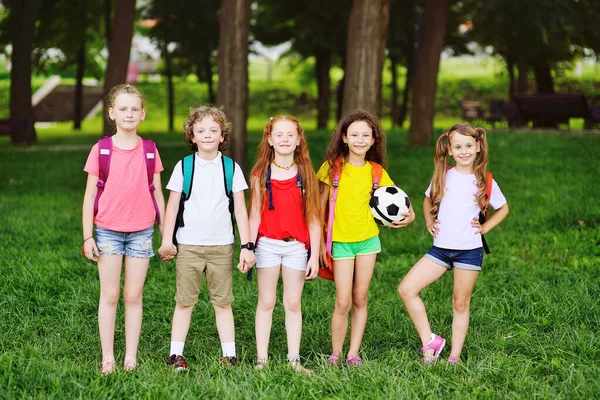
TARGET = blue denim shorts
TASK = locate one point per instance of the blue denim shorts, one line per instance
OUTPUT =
(462, 259)
(132, 244)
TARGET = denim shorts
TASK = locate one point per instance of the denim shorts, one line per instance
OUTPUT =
(349, 250)
(462, 259)
(132, 244)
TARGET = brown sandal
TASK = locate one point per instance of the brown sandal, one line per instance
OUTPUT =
(107, 366)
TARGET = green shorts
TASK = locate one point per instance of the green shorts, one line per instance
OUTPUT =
(349, 250)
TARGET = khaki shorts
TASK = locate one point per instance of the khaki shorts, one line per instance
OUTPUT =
(214, 261)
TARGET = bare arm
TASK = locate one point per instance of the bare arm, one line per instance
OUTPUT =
(314, 233)
(430, 220)
(89, 247)
(255, 209)
(247, 258)
(167, 249)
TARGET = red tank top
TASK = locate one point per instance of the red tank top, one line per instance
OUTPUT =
(287, 219)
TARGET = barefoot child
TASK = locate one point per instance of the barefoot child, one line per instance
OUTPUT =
(284, 215)
(453, 201)
(204, 232)
(131, 199)
(357, 142)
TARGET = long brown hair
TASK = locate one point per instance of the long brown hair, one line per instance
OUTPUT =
(198, 114)
(338, 149)
(265, 156)
(440, 162)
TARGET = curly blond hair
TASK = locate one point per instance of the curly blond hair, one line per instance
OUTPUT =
(197, 114)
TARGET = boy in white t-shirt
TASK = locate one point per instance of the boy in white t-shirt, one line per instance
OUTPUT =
(452, 205)
(205, 240)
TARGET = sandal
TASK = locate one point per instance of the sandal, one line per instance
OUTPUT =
(333, 360)
(261, 364)
(298, 368)
(436, 344)
(129, 364)
(107, 366)
(354, 361)
(453, 360)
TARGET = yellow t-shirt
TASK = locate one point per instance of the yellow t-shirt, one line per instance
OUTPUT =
(353, 220)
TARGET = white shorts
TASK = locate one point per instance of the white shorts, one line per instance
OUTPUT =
(274, 252)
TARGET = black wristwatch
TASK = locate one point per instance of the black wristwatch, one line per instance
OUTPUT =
(249, 246)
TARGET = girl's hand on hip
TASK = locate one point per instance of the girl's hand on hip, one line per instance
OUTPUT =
(478, 227)
(433, 228)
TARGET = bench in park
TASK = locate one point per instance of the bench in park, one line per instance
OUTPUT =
(551, 109)
(499, 110)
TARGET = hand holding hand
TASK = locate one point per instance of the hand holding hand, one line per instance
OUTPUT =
(247, 260)
(167, 251)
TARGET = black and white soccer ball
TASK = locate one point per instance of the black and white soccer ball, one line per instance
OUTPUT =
(388, 203)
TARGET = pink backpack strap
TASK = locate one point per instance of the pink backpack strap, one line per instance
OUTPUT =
(104, 155)
(150, 157)
(335, 182)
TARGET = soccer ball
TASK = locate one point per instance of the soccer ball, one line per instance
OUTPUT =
(388, 203)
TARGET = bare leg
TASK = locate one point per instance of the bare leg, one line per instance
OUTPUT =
(133, 287)
(109, 272)
(182, 316)
(293, 283)
(343, 277)
(225, 326)
(363, 272)
(421, 275)
(267, 296)
(464, 282)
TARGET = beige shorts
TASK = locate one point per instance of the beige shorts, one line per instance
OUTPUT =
(214, 261)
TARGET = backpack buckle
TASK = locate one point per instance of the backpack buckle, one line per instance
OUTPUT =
(100, 183)
(151, 187)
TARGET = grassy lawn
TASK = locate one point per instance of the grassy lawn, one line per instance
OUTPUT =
(535, 313)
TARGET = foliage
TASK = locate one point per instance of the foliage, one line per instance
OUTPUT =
(534, 318)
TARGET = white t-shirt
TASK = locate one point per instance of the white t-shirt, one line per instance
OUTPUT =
(458, 207)
(206, 214)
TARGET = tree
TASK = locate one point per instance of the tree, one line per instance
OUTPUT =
(22, 19)
(367, 33)
(119, 49)
(315, 28)
(425, 78)
(232, 92)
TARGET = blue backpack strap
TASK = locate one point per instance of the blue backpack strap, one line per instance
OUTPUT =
(187, 170)
(228, 168)
(299, 183)
(269, 189)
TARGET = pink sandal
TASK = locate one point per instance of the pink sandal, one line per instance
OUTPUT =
(354, 361)
(333, 360)
(453, 360)
(436, 344)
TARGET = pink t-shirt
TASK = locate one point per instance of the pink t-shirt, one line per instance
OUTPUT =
(126, 203)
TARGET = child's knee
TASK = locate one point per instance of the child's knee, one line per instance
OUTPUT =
(343, 305)
(292, 305)
(222, 309)
(405, 291)
(360, 300)
(266, 303)
(109, 297)
(461, 304)
(132, 296)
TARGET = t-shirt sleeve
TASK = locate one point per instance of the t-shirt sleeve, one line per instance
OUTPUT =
(176, 182)
(323, 173)
(239, 181)
(91, 165)
(158, 165)
(497, 197)
(385, 179)
(428, 191)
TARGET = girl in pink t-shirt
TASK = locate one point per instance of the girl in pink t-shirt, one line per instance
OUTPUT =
(452, 204)
(124, 216)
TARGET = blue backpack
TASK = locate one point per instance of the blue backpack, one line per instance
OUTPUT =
(187, 169)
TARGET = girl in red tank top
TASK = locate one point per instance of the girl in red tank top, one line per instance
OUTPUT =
(284, 217)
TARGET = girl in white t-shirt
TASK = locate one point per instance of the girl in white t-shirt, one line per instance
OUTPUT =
(453, 201)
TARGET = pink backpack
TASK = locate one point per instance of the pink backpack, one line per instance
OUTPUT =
(104, 156)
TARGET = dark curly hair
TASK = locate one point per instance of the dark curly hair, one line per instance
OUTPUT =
(197, 114)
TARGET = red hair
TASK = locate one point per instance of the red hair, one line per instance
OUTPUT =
(265, 156)
(440, 162)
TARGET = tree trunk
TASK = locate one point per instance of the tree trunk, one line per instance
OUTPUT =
(119, 49)
(323, 65)
(405, 95)
(395, 94)
(543, 77)
(79, 73)
(512, 84)
(426, 71)
(23, 15)
(367, 34)
(232, 66)
(523, 68)
(169, 73)
(107, 24)
(208, 67)
(412, 59)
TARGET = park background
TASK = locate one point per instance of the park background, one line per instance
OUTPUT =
(535, 315)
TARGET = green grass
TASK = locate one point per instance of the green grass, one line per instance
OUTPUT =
(535, 312)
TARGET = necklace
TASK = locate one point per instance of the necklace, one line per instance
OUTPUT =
(282, 167)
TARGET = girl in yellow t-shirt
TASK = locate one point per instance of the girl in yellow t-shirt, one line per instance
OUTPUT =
(358, 139)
